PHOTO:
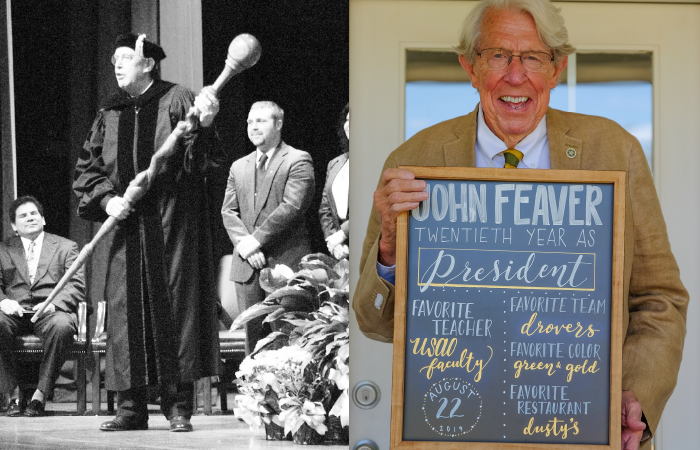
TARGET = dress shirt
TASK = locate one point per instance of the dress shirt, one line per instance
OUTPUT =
(340, 187)
(489, 150)
(38, 243)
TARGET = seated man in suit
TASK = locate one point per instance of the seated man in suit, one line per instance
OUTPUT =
(31, 264)
(267, 195)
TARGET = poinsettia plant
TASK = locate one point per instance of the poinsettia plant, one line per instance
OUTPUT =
(310, 308)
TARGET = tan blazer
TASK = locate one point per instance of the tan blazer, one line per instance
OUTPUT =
(655, 299)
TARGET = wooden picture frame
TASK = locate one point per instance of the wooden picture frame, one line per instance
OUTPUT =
(618, 181)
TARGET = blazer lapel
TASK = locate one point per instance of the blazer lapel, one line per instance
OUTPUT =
(460, 152)
(277, 159)
(565, 151)
(16, 250)
(48, 250)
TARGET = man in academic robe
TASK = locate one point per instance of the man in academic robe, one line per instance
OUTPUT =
(31, 264)
(162, 327)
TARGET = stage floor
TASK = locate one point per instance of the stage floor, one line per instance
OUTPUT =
(72, 432)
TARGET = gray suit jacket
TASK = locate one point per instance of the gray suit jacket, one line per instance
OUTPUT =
(655, 301)
(276, 220)
(57, 255)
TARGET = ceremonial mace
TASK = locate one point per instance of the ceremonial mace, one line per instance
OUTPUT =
(243, 52)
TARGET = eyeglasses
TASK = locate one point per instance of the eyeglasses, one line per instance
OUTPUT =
(124, 58)
(499, 59)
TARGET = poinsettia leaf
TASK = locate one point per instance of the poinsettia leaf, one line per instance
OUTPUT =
(326, 259)
(274, 315)
(272, 341)
(251, 313)
(270, 280)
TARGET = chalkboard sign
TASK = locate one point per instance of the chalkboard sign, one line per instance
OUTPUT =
(508, 311)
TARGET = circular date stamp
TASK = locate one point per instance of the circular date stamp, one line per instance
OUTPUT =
(452, 407)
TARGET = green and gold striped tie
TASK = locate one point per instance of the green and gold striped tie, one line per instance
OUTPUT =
(513, 158)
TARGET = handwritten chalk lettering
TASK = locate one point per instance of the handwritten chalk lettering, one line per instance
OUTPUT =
(441, 310)
(584, 351)
(466, 362)
(456, 265)
(452, 407)
(480, 327)
(537, 349)
(547, 236)
(538, 392)
(577, 329)
(445, 200)
(586, 241)
(541, 304)
(555, 426)
(589, 306)
(548, 408)
(550, 368)
(441, 200)
(438, 347)
(465, 235)
(576, 368)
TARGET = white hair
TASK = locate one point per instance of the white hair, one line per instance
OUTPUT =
(548, 21)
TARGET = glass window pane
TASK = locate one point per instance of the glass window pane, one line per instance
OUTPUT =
(618, 86)
(437, 89)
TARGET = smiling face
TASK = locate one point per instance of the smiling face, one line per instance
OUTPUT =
(28, 223)
(133, 73)
(264, 131)
(513, 100)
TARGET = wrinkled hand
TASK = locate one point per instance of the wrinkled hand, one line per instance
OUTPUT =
(632, 425)
(247, 245)
(11, 307)
(257, 260)
(50, 308)
(335, 239)
(207, 106)
(399, 191)
(119, 208)
(341, 251)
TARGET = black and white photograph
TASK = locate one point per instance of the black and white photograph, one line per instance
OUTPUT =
(175, 204)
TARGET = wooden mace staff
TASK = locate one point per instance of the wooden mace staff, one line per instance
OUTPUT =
(243, 52)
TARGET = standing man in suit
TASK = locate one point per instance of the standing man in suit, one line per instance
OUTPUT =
(31, 264)
(267, 195)
(514, 52)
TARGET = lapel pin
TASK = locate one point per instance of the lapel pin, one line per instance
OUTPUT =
(570, 152)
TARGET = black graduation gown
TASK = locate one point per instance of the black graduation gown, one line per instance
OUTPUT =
(162, 324)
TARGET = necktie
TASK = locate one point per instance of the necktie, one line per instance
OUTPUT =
(260, 173)
(513, 158)
(30, 262)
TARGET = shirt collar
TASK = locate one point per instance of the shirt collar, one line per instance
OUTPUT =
(37, 242)
(269, 153)
(491, 145)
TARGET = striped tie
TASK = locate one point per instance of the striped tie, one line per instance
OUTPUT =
(513, 158)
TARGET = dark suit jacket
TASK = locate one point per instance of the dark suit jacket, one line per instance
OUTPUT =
(655, 301)
(276, 220)
(57, 255)
(328, 212)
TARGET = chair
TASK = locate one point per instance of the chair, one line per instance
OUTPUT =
(29, 348)
(99, 349)
(232, 344)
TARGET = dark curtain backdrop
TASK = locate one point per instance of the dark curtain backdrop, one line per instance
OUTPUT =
(303, 68)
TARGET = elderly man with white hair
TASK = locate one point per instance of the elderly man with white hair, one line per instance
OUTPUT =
(514, 52)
